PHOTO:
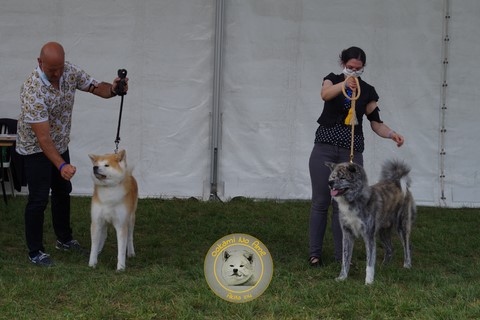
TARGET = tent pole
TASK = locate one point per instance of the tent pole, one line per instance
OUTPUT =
(443, 130)
(216, 114)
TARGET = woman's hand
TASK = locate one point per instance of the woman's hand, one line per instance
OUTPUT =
(351, 83)
(398, 138)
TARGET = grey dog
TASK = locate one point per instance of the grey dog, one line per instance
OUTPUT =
(366, 211)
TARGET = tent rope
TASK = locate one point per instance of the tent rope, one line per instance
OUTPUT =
(351, 118)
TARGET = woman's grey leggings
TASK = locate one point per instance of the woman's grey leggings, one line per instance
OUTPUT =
(321, 198)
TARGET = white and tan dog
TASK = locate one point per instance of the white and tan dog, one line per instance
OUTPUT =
(114, 201)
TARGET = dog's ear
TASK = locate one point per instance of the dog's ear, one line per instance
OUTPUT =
(352, 168)
(121, 155)
(331, 165)
(92, 157)
(226, 255)
(248, 255)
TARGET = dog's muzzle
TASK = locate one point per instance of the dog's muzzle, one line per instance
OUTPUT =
(236, 273)
(97, 174)
(334, 192)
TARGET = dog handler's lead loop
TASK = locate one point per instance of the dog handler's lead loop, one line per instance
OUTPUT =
(351, 118)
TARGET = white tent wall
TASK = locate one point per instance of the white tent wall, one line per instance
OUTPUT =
(462, 173)
(275, 55)
(166, 47)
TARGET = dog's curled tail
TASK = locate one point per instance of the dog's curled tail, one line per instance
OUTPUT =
(396, 170)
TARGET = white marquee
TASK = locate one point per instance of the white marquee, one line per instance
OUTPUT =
(253, 95)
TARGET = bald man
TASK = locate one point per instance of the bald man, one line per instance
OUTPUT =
(43, 134)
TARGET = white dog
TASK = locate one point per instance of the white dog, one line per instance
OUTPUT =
(114, 201)
(238, 268)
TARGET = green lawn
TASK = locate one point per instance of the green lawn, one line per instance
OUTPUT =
(166, 278)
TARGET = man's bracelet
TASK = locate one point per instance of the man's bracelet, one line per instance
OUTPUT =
(61, 166)
(390, 134)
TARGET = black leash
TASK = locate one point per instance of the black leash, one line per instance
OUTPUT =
(120, 90)
(117, 140)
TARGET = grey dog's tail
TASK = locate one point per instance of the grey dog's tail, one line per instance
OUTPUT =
(396, 170)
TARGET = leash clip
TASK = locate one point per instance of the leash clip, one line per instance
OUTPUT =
(116, 146)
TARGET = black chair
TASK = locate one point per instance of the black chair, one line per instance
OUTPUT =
(7, 126)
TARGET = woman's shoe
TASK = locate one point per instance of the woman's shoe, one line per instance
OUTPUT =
(315, 262)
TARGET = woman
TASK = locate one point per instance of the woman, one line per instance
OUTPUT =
(333, 143)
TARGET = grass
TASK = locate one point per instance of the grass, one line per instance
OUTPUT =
(166, 280)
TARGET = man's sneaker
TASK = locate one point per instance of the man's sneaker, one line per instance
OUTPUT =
(42, 259)
(72, 245)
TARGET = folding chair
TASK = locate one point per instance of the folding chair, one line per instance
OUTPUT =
(5, 158)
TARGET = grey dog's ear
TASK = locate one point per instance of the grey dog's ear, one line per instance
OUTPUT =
(352, 168)
(331, 165)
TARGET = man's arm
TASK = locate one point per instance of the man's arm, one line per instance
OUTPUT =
(42, 131)
(107, 90)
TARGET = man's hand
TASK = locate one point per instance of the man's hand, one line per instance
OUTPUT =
(68, 171)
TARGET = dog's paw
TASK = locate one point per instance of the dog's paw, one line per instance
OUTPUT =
(340, 278)
(92, 262)
(369, 277)
(407, 265)
(370, 274)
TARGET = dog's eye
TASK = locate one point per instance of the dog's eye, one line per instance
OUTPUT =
(241, 266)
(107, 165)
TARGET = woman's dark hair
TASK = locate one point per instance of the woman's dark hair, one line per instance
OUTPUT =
(353, 53)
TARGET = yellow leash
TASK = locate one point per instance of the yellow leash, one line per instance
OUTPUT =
(351, 118)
